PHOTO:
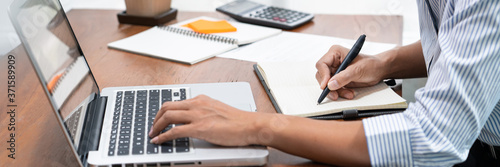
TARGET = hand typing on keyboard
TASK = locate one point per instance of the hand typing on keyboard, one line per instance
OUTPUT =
(218, 123)
(207, 119)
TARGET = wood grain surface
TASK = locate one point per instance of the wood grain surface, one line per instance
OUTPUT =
(39, 140)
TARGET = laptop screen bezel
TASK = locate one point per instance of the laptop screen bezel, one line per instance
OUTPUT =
(14, 9)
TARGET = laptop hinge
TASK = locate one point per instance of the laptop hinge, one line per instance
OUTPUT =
(92, 127)
(98, 120)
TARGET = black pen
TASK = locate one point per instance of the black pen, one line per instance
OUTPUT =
(350, 56)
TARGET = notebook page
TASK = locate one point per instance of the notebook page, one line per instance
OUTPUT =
(296, 91)
(290, 46)
(164, 44)
(302, 101)
(289, 74)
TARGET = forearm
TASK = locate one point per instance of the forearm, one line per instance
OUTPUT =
(404, 62)
(333, 142)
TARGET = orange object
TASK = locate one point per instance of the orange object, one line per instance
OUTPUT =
(53, 82)
(207, 27)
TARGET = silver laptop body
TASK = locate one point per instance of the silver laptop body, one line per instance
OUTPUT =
(109, 128)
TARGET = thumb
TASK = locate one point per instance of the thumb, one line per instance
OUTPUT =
(340, 79)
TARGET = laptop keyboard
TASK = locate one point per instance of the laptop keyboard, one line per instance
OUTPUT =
(133, 111)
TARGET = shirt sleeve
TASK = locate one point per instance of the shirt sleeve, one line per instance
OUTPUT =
(462, 90)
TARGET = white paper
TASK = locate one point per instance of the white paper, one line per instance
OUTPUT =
(290, 46)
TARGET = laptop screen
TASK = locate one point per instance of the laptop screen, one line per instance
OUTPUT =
(57, 58)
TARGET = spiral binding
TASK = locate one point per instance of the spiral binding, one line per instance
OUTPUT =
(211, 37)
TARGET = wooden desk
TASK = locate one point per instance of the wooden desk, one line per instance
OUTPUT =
(39, 140)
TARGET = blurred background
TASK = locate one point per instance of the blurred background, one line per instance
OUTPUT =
(406, 8)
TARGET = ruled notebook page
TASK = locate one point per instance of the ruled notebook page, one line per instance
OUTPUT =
(296, 91)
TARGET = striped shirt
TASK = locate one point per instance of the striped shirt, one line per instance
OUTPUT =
(461, 99)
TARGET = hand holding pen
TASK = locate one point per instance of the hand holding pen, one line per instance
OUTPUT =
(347, 60)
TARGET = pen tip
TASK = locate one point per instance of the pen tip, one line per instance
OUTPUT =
(317, 104)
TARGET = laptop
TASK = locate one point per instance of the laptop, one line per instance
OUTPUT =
(110, 127)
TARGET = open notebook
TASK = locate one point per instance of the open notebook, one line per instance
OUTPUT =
(294, 91)
(180, 44)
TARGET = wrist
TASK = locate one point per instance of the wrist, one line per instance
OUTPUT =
(403, 62)
(386, 62)
(260, 122)
(267, 128)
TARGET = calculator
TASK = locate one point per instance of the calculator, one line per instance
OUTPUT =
(255, 13)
